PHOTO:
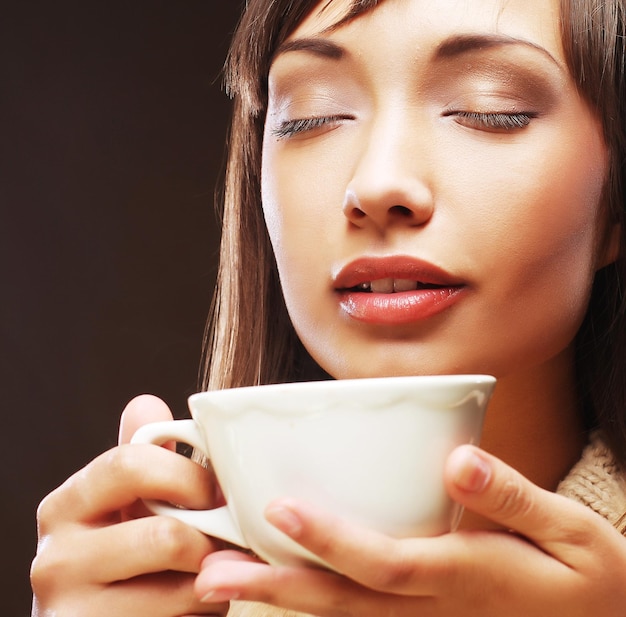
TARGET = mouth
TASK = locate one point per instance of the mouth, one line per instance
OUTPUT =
(394, 274)
(395, 290)
(392, 286)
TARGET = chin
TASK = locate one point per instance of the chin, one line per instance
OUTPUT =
(347, 369)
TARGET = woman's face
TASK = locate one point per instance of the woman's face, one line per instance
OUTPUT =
(431, 184)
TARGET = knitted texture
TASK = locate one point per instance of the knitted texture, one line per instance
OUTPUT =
(597, 482)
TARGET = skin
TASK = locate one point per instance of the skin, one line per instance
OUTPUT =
(513, 214)
(394, 167)
(369, 151)
(99, 552)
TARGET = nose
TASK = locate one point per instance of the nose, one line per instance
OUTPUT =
(391, 183)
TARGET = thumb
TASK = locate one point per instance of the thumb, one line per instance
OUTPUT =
(142, 410)
(489, 487)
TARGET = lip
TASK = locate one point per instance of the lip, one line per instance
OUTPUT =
(438, 290)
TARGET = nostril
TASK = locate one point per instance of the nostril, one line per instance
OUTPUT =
(401, 211)
(357, 214)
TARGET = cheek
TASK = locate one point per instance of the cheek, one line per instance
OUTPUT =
(541, 204)
(537, 244)
(302, 206)
(286, 216)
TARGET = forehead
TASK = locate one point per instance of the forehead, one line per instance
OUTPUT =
(535, 20)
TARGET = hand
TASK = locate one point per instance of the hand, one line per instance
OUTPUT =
(100, 554)
(559, 558)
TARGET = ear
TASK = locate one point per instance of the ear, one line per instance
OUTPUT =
(611, 247)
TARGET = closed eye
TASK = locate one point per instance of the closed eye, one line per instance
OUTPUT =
(493, 121)
(297, 126)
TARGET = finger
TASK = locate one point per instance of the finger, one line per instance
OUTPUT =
(159, 595)
(117, 478)
(419, 569)
(426, 566)
(490, 488)
(413, 566)
(79, 567)
(142, 410)
(151, 544)
(230, 577)
(120, 552)
(228, 555)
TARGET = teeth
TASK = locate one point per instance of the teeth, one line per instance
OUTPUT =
(404, 285)
(389, 285)
(382, 286)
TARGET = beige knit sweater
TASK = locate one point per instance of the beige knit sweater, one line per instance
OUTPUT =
(594, 481)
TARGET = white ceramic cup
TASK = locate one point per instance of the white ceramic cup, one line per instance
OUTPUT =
(369, 450)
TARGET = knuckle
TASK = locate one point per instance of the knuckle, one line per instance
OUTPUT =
(326, 547)
(511, 500)
(119, 461)
(39, 575)
(169, 537)
(123, 464)
(53, 508)
(582, 532)
(47, 513)
(395, 574)
(579, 536)
(48, 569)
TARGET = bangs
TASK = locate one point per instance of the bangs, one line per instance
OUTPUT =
(264, 26)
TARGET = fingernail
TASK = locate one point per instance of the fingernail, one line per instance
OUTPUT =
(471, 472)
(284, 519)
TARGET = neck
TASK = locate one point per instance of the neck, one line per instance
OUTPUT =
(534, 424)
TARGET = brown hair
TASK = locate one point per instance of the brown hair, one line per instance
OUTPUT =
(594, 40)
(250, 338)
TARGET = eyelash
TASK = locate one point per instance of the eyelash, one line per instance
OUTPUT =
(495, 121)
(289, 128)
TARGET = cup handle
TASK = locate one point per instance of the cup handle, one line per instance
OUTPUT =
(217, 522)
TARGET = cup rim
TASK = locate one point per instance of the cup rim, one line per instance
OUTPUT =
(360, 383)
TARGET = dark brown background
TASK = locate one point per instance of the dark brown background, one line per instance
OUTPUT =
(113, 123)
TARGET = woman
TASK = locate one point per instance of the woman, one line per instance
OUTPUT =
(412, 189)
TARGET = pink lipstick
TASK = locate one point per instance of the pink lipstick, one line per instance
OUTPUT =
(395, 290)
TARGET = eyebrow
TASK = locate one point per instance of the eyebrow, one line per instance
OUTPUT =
(454, 46)
(457, 45)
(317, 46)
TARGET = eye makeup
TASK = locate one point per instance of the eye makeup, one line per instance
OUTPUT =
(291, 128)
(487, 82)
(493, 121)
